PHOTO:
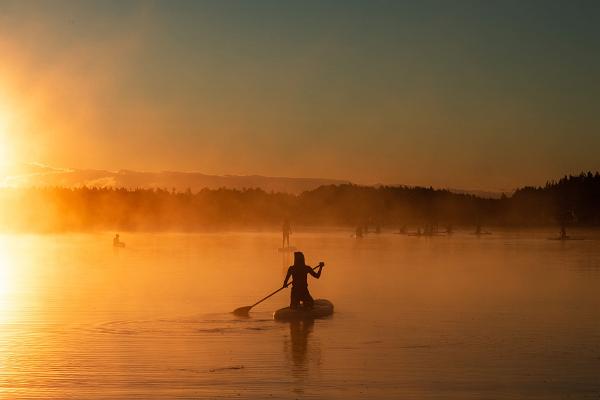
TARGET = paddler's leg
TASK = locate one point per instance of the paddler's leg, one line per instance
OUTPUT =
(307, 300)
(295, 298)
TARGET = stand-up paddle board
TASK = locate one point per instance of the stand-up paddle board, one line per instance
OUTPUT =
(322, 308)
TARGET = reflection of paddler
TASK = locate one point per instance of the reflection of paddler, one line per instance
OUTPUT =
(299, 332)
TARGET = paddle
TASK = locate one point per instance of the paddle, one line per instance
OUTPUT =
(244, 311)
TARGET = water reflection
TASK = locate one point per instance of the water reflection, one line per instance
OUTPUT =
(301, 350)
(76, 321)
(299, 333)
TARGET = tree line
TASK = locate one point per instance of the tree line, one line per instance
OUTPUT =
(572, 200)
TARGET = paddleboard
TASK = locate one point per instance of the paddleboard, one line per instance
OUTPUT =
(568, 238)
(119, 244)
(286, 249)
(322, 308)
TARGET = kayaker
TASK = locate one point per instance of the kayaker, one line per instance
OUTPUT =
(299, 272)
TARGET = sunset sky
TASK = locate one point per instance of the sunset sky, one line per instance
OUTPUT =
(472, 94)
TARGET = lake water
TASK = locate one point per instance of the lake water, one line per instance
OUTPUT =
(509, 315)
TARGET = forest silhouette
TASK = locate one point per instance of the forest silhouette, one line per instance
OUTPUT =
(571, 201)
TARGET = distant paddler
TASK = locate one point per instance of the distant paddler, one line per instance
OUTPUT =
(299, 272)
(359, 232)
(563, 232)
(286, 230)
(117, 242)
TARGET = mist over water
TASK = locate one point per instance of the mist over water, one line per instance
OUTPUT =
(507, 315)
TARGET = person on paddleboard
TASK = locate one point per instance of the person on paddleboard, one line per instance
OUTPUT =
(299, 272)
(286, 229)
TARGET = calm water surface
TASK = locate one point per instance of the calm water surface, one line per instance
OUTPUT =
(509, 315)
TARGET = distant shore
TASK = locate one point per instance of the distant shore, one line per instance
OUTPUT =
(572, 201)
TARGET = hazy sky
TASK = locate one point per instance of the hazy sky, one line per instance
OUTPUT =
(476, 94)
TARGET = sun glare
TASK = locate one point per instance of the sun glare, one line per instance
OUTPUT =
(5, 146)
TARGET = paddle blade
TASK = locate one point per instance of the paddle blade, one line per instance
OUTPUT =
(242, 311)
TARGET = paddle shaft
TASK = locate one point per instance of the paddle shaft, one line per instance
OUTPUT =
(275, 292)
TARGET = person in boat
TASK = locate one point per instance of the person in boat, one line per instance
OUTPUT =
(359, 232)
(299, 274)
(287, 229)
(563, 232)
(116, 241)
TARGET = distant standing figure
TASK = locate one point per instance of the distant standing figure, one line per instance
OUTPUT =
(299, 272)
(287, 230)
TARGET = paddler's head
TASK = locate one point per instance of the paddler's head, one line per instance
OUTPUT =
(299, 259)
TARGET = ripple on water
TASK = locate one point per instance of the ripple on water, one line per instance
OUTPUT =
(182, 326)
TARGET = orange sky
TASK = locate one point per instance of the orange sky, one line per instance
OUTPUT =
(490, 97)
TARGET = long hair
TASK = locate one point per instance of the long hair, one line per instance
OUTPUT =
(299, 259)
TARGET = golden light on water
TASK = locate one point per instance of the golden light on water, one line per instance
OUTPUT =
(7, 283)
(197, 131)
(8, 268)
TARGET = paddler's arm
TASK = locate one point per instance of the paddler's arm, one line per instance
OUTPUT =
(287, 277)
(318, 273)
